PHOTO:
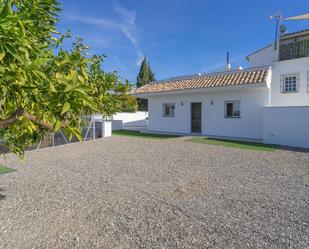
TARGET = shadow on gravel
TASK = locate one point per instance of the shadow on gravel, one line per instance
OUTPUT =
(2, 196)
(294, 149)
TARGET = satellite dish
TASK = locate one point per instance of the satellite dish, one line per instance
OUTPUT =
(282, 29)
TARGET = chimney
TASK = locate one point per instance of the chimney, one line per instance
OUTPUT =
(228, 65)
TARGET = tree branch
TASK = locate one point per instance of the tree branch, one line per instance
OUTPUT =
(5, 123)
(39, 122)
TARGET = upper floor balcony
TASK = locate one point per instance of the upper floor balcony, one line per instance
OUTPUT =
(294, 45)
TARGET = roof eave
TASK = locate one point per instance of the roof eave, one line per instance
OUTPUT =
(295, 35)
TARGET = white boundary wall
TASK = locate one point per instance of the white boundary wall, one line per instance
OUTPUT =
(116, 125)
(130, 119)
(287, 126)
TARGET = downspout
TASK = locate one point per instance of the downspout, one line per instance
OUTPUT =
(269, 84)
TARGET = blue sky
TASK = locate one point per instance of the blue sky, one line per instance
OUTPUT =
(179, 37)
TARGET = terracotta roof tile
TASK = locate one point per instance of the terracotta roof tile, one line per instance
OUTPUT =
(222, 79)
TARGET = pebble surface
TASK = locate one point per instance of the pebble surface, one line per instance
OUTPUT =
(123, 192)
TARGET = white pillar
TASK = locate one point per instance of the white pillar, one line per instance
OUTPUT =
(93, 129)
(106, 128)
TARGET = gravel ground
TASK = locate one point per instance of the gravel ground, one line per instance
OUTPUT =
(123, 192)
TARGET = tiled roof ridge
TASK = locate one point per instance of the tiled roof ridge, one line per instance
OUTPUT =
(219, 79)
(196, 76)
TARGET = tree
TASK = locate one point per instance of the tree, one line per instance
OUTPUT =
(145, 74)
(144, 77)
(127, 103)
(44, 87)
(108, 91)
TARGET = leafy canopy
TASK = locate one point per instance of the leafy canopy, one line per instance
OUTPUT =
(44, 87)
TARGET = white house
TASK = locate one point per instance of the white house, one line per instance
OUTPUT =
(268, 102)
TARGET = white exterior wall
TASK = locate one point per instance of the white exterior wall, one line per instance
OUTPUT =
(287, 126)
(249, 126)
(264, 57)
(301, 98)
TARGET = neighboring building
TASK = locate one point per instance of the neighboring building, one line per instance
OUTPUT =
(268, 102)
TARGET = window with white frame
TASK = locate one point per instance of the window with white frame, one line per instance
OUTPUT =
(168, 110)
(232, 109)
(290, 83)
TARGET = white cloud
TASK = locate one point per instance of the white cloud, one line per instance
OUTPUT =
(102, 23)
(130, 16)
(128, 28)
(126, 25)
(97, 41)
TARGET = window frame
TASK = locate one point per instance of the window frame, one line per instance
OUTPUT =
(283, 82)
(308, 82)
(232, 102)
(170, 108)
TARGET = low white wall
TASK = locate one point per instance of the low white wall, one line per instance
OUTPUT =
(287, 126)
(116, 124)
(249, 126)
(134, 119)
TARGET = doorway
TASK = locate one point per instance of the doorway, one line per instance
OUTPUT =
(196, 117)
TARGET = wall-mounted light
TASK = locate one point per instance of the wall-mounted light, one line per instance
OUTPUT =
(181, 103)
(212, 102)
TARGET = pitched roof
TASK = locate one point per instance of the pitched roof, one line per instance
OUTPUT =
(259, 50)
(221, 79)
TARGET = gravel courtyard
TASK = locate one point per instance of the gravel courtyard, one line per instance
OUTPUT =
(123, 192)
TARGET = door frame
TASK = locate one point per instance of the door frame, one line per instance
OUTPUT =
(191, 119)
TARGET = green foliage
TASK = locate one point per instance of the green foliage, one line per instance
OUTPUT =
(44, 87)
(144, 77)
(127, 103)
(109, 91)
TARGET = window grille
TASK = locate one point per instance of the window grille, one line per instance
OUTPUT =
(289, 83)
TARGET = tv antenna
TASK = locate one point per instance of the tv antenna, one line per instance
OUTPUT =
(278, 18)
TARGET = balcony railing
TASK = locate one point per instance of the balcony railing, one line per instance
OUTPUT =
(294, 50)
